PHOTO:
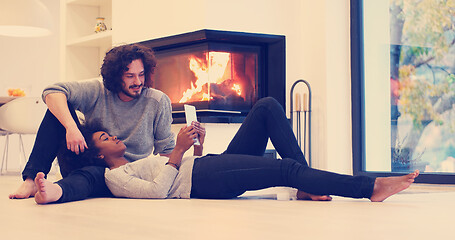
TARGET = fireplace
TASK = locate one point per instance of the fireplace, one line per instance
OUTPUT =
(221, 73)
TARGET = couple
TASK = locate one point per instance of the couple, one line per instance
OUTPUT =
(240, 168)
(228, 175)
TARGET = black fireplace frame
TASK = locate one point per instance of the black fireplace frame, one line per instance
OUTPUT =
(272, 76)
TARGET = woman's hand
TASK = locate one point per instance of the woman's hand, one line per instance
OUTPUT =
(184, 142)
(200, 130)
(185, 138)
(75, 141)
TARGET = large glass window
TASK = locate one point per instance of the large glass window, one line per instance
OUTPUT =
(403, 86)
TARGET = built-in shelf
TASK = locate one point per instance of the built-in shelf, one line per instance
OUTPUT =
(82, 49)
(93, 40)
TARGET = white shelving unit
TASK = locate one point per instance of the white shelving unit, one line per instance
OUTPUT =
(83, 50)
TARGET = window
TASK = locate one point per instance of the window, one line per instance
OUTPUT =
(403, 88)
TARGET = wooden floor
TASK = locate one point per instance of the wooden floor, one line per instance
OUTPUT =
(422, 212)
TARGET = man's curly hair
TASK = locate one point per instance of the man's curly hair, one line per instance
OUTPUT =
(70, 161)
(118, 58)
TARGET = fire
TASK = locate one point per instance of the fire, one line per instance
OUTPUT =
(237, 89)
(214, 69)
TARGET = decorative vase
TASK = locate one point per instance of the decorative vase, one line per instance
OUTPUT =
(100, 26)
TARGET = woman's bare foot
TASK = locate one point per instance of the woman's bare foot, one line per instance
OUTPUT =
(385, 187)
(47, 191)
(306, 196)
(26, 189)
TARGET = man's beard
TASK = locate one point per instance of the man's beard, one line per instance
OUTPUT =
(127, 93)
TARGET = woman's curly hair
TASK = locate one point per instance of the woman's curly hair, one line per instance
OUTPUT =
(70, 161)
(118, 58)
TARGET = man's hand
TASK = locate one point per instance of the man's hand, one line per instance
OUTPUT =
(75, 141)
(57, 104)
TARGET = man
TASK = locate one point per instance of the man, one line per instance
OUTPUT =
(125, 91)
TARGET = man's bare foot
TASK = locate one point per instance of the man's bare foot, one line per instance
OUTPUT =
(26, 189)
(385, 187)
(306, 196)
(47, 191)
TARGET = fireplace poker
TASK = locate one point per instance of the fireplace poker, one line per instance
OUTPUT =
(305, 109)
(298, 110)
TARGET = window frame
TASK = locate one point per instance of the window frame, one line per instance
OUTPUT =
(358, 105)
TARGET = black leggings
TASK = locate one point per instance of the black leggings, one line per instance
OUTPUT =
(49, 139)
(242, 166)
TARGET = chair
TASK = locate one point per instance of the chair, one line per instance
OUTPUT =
(20, 116)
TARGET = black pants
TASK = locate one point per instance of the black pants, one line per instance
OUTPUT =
(242, 166)
(76, 185)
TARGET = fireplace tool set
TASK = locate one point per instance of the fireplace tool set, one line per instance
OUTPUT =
(302, 108)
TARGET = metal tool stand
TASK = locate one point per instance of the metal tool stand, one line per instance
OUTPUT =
(306, 119)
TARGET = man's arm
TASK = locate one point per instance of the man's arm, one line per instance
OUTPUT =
(82, 95)
(57, 104)
(164, 141)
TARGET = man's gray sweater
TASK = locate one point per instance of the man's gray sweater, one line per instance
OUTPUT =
(143, 124)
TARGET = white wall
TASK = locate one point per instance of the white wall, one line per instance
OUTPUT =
(317, 49)
(30, 64)
(338, 86)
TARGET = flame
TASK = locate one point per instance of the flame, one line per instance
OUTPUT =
(237, 89)
(208, 71)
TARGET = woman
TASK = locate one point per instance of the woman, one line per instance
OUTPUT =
(240, 168)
